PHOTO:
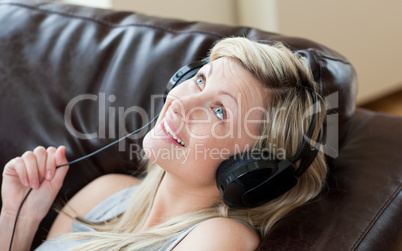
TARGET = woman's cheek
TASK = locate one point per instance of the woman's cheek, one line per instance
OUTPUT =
(147, 146)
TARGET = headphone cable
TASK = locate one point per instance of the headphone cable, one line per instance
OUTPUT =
(75, 161)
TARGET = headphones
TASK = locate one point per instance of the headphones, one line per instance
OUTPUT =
(251, 179)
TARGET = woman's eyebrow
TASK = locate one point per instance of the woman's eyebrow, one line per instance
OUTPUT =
(223, 92)
(210, 70)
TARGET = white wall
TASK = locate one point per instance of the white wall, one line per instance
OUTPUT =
(255, 13)
(106, 4)
(215, 11)
(260, 14)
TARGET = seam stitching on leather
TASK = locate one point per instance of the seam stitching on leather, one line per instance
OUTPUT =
(377, 216)
(323, 55)
(335, 59)
(99, 21)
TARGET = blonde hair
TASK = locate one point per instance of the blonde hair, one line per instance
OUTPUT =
(288, 76)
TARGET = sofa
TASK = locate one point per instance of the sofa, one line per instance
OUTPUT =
(83, 77)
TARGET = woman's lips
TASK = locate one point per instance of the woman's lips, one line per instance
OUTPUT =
(168, 133)
(173, 129)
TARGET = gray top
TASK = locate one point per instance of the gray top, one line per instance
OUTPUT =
(107, 209)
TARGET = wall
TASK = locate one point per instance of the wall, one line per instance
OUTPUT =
(367, 32)
(214, 11)
(106, 4)
(260, 14)
(256, 13)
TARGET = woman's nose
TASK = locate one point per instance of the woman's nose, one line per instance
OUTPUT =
(191, 108)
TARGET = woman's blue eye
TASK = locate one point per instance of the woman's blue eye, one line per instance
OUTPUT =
(200, 82)
(219, 112)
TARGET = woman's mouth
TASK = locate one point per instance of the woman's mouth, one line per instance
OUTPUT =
(170, 132)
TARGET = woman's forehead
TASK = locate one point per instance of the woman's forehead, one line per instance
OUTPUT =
(230, 75)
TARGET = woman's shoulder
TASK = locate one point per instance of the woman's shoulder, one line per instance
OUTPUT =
(89, 197)
(220, 234)
(98, 190)
(106, 185)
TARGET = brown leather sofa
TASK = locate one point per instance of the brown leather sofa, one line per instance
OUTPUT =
(103, 69)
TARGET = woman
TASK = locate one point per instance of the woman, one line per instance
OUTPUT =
(250, 96)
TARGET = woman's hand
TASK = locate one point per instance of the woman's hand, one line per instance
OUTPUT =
(36, 170)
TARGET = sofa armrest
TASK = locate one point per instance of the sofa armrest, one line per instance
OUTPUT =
(362, 206)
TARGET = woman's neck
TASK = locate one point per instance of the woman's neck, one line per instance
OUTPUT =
(175, 197)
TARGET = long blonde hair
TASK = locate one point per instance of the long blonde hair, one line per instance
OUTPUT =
(288, 76)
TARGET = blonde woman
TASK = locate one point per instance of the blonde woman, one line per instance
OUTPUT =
(250, 97)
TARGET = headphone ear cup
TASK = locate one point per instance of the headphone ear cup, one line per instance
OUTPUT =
(226, 180)
(247, 182)
(239, 174)
(184, 73)
(224, 172)
(281, 181)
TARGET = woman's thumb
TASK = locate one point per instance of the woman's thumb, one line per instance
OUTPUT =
(61, 162)
(61, 156)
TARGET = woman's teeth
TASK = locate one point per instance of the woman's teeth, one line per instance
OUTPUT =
(170, 132)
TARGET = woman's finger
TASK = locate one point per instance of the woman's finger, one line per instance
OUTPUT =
(31, 166)
(50, 163)
(41, 156)
(18, 165)
(61, 158)
(61, 172)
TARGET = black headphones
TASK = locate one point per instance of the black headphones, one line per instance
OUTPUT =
(250, 179)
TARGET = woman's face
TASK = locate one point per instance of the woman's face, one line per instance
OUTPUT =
(206, 119)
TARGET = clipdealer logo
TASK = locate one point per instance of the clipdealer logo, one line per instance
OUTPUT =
(112, 120)
(330, 143)
(109, 116)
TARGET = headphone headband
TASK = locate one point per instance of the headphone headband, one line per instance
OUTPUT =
(305, 152)
(184, 73)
